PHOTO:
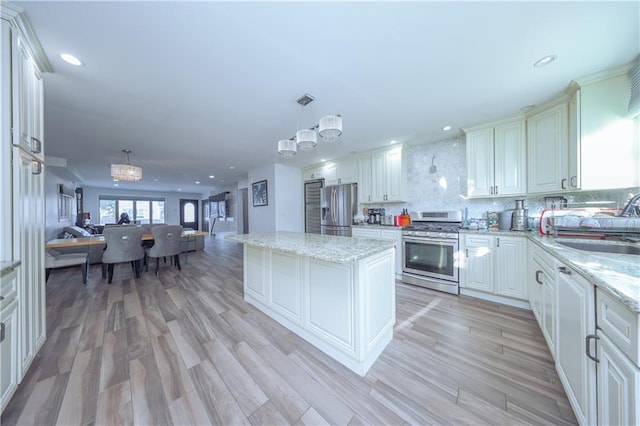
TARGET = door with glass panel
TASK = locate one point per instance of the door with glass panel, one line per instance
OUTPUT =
(189, 214)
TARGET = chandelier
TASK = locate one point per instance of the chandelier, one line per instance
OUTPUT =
(126, 172)
(329, 128)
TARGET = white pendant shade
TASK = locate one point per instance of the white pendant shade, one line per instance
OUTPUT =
(330, 127)
(287, 148)
(306, 139)
(126, 172)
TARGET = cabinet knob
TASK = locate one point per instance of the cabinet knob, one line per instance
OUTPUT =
(563, 184)
(496, 190)
(538, 272)
(2, 327)
(574, 181)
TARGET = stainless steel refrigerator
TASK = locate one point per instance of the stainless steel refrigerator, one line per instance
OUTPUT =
(312, 210)
(339, 204)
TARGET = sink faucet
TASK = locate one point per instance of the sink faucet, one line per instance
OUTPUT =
(632, 206)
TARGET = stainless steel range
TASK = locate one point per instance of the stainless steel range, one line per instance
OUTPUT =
(430, 248)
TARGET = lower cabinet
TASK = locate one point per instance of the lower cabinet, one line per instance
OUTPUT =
(384, 234)
(9, 341)
(618, 386)
(496, 266)
(577, 323)
(542, 293)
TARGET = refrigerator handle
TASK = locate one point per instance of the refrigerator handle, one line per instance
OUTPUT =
(334, 200)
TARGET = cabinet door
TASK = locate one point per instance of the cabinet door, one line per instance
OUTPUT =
(394, 177)
(511, 261)
(576, 320)
(535, 283)
(5, 143)
(364, 179)
(330, 174)
(9, 350)
(22, 99)
(618, 386)
(547, 143)
(479, 263)
(510, 162)
(378, 184)
(480, 163)
(395, 235)
(574, 141)
(364, 233)
(549, 310)
(347, 171)
(312, 173)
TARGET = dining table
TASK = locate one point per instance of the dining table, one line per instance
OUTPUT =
(99, 239)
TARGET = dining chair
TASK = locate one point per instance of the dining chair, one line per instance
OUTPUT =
(54, 259)
(124, 244)
(166, 243)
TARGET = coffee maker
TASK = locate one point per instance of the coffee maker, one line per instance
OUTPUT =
(375, 216)
(519, 217)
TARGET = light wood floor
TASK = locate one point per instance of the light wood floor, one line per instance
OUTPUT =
(184, 348)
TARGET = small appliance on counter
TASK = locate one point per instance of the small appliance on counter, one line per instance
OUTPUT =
(375, 216)
(519, 217)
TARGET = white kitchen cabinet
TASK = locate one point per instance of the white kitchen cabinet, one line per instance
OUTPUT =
(391, 234)
(9, 352)
(479, 253)
(548, 149)
(496, 159)
(618, 385)
(511, 261)
(604, 137)
(312, 173)
(388, 176)
(495, 265)
(23, 214)
(576, 322)
(344, 171)
(542, 293)
(618, 368)
(364, 179)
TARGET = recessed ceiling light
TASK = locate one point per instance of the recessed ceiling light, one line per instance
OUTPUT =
(155, 180)
(211, 176)
(545, 61)
(393, 142)
(322, 160)
(446, 128)
(197, 182)
(116, 184)
(179, 189)
(70, 59)
(115, 180)
(222, 180)
(231, 167)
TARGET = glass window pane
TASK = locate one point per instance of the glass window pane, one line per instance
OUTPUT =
(189, 212)
(126, 206)
(107, 211)
(143, 215)
(157, 211)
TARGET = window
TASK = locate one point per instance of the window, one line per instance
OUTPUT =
(65, 199)
(140, 210)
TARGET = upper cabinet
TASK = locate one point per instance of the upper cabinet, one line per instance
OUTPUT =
(548, 149)
(344, 171)
(605, 139)
(386, 182)
(496, 159)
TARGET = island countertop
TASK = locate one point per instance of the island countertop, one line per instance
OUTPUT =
(323, 247)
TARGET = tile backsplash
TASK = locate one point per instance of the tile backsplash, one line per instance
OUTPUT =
(446, 188)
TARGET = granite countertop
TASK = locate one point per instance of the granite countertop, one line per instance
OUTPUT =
(323, 247)
(7, 266)
(616, 274)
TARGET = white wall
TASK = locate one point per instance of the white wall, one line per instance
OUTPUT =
(171, 207)
(283, 211)
(289, 202)
(52, 226)
(263, 218)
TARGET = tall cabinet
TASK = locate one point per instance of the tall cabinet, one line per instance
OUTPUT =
(22, 195)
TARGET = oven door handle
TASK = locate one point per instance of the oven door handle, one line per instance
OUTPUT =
(429, 240)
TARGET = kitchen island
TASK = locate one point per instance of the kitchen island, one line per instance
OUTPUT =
(338, 293)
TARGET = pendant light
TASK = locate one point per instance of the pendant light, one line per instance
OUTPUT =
(126, 172)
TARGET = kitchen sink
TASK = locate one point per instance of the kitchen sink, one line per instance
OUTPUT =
(602, 248)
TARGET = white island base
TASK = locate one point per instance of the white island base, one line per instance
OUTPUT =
(347, 310)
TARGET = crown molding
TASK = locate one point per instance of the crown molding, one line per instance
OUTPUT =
(19, 20)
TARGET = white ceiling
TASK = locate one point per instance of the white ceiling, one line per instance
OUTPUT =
(193, 88)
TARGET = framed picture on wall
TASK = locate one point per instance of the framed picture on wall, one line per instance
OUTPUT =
(260, 195)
